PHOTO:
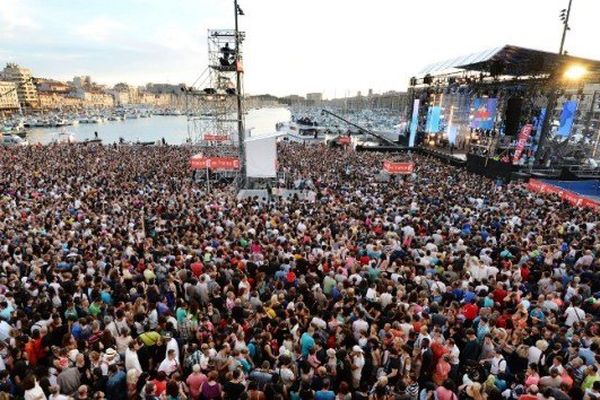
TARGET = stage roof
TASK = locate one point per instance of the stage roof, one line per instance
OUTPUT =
(512, 60)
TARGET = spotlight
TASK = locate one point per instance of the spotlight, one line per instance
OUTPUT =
(575, 72)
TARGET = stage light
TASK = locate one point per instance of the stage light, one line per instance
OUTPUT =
(575, 72)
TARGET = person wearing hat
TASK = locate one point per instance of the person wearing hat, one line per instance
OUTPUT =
(111, 357)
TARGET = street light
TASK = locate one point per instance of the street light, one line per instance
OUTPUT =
(575, 72)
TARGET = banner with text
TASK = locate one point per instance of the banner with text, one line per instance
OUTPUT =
(215, 138)
(521, 142)
(215, 163)
(398, 168)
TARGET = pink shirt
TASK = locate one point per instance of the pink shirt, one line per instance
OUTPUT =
(194, 381)
(532, 380)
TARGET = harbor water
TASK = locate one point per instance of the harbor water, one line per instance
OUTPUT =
(174, 129)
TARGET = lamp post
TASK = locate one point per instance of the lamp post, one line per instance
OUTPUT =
(564, 17)
(553, 97)
(240, 112)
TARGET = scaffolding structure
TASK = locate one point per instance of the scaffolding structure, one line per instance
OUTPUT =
(212, 103)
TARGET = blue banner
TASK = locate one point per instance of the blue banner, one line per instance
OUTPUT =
(433, 119)
(567, 116)
(484, 113)
(414, 122)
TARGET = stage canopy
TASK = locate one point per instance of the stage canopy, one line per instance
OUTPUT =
(509, 60)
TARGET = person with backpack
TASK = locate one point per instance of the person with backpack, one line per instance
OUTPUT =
(498, 364)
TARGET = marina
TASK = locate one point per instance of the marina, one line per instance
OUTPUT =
(172, 128)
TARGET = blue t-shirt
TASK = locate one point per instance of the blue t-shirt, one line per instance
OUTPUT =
(306, 343)
(324, 395)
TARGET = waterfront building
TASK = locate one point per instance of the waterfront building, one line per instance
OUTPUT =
(26, 91)
(51, 86)
(54, 101)
(9, 101)
(314, 97)
(94, 98)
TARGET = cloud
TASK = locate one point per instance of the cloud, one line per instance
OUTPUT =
(177, 38)
(16, 18)
(101, 29)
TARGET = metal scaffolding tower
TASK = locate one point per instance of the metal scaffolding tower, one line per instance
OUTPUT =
(215, 105)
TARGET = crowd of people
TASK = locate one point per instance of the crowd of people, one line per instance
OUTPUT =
(122, 278)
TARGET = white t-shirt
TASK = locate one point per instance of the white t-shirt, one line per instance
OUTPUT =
(498, 365)
(132, 361)
(35, 393)
(168, 366)
(574, 314)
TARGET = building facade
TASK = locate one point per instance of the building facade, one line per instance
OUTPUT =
(314, 97)
(9, 101)
(54, 101)
(26, 90)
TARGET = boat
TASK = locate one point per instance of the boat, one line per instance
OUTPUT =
(91, 141)
(9, 140)
(64, 137)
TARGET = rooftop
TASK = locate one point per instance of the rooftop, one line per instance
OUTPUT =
(509, 60)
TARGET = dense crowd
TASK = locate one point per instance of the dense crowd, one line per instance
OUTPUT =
(122, 278)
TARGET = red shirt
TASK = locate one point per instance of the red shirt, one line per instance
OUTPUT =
(525, 273)
(161, 386)
(528, 397)
(499, 295)
(470, 311)
(197, 268)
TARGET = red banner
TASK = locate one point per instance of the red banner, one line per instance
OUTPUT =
(521, 142)
(344, 140)
(401, 168)
(215, 163)
(573, 198)
(215, 138)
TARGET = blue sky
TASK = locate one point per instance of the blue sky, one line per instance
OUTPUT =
(293, 46)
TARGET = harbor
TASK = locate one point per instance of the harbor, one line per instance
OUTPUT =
(174, 129)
